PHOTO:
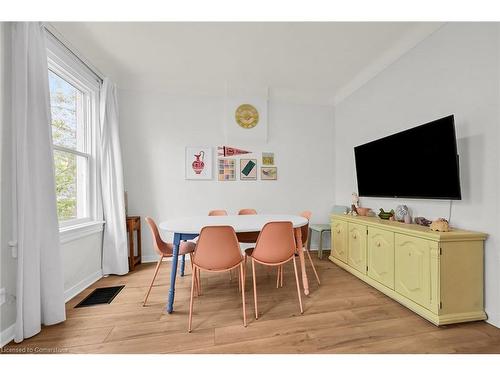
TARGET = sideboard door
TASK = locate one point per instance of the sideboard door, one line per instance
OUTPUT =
(357, 247)
(339, 240)
(413, 268)
(381, 256)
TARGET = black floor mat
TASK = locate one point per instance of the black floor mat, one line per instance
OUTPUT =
(101, 296)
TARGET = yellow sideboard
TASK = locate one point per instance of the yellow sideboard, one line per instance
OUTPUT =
(438, 275)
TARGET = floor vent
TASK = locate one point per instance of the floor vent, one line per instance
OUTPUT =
(101, 296)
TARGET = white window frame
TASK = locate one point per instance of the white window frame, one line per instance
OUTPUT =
(66, 65)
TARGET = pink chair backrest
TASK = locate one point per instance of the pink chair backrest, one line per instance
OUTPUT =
(276, 243)
(305, 229)
(217, 248)
(247, 211)
(159, 246)
(217, 213)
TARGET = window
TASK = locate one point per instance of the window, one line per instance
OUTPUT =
(74, 94)
(71, 151)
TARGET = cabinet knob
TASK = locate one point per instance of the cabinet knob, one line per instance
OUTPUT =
(338, 230)
(354, 236)
(378, 244)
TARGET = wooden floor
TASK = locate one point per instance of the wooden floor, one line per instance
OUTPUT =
(343, 315)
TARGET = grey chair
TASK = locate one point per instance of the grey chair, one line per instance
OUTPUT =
(322, 228)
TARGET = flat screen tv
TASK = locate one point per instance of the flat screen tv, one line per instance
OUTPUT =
(420, 162)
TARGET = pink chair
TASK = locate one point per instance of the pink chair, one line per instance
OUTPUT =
(217, 213)
(304, 234)
(164, 250)
(247, 211)
(217, 250)
(275, 247)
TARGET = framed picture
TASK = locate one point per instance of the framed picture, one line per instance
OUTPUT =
(268, 173)
(226, 169)
(268, 158)
(199, 163)
(248, 169)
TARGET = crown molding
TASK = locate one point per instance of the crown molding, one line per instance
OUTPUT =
(389, 57)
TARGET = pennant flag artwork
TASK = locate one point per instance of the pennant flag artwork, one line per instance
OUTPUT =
(231, 151)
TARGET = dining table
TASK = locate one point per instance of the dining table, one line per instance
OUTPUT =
(188, 228)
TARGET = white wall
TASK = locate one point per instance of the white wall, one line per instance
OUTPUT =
(454, 71)
(81, 263)
(155, 128)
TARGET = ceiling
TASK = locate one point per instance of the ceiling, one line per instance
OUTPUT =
(320, 58)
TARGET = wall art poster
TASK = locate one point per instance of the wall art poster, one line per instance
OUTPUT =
(198, 163)
(227, 169)
(248, 169)
(269, 173)
(268, 158)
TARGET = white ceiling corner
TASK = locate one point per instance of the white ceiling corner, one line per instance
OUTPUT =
(391, 55)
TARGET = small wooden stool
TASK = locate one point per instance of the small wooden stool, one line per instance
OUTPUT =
(320, 228)
(134, 224)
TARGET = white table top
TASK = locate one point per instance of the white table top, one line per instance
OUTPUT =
(240, 223)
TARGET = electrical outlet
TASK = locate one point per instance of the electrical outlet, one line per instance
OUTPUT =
(13, 245)
(3, 296)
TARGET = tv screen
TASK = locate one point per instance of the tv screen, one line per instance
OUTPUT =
(421, 162)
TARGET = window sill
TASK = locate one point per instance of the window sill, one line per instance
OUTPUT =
(74, 232)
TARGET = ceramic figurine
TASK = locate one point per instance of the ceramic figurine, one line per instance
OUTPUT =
(355, 199)
(401, 212)
(440, 225)
(355, 203)
(407, 219)
(422, 221)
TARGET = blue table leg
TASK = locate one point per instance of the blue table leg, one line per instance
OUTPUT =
(183, 264)
(173, 273)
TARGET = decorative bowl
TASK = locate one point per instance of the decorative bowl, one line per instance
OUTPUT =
(385, 215)
(363, 211)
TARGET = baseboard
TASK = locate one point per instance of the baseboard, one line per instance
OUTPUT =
(154, 258)
(150, 258)
(82, 285)
(7, 335)
(493, 319)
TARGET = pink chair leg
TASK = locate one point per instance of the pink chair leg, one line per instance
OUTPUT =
(239, 282)
(245, 270)
(298, 286)
(242, 276)
(191, 300)
(255, 290)
(281, 275)
(195, 277)
(152, 281)
(278, 277)
(312, 265)
(199, 281)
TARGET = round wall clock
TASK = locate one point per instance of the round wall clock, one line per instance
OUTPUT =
(246, 116)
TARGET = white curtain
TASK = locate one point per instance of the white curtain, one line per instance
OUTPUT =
(114, 251)
(40, 285)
